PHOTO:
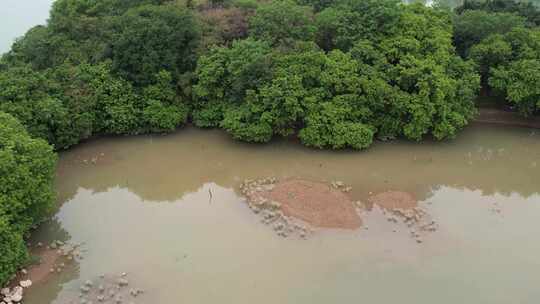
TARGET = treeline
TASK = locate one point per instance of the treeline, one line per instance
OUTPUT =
(334, 73)
(337, 73)
(503, 39)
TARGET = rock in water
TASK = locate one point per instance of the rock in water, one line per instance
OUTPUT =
(25, 284)
(122, 282)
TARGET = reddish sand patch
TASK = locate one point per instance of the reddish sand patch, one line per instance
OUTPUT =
(316, 203)
(39, 272)
(394, 200)
(48, 258)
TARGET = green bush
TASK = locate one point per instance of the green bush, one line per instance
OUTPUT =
(346, 22)
(148, 39)
(163, 110)
(224, 76)
(282, 23)
(471, 27)
(13, 250)
(509, 64)
(27, 169)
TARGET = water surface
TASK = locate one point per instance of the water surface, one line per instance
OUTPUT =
(141, 205)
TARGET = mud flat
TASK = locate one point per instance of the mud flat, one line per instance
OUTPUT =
(297, 206)
(52, 259)
(399, 206)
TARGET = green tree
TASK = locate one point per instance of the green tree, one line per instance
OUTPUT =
(163, 110)
(341, 25)
(471, 27)
(508, 63)
(27, 169)
(13, 249)
(282, 23)
(224, 75)
(149, 39)
(519, 81)
(526, 9)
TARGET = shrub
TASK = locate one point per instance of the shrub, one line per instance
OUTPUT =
(27, 169)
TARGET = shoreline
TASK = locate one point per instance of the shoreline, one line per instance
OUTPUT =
(506, 118)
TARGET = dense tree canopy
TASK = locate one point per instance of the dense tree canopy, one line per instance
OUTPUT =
(407, 83)
(509, 63)
(26, 195)
(282, 22)
(527, 9)
(149, 39)
(471, 27)
(341, 25)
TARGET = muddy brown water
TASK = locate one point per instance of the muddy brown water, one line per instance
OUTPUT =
(142, 205)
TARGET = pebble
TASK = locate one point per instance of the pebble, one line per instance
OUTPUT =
(85, 289)
(122, 282)
(118, 299)
(25, 284)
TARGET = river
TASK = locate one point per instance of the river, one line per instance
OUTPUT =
(141, 205)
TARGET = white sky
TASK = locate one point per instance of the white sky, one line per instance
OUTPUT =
(18, 16)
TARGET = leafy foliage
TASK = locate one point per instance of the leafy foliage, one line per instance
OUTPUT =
(164, 110)
(149, 39)
(342, 24)
(471, 27)
(282, 22)
(526, 9)
(224, 75)
(408, 84)
(26, 195)
(509, 63)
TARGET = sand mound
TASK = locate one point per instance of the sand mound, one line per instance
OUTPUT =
(317, 204)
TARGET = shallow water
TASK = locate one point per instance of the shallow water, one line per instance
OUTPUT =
(141, 205)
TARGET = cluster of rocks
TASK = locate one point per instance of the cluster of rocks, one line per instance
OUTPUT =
(279, 202)
(108, 290)
(270, 211)
(341, 186)
(57, 254)
(93, 160)
(415, 219)
(69, 252)
(15, 294)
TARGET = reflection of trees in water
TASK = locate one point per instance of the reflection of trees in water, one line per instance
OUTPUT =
(49, 231)
(165, 168)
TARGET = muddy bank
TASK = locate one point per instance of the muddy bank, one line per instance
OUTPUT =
(51, 260)
(296, 206)
(501, 117)
(109, 288)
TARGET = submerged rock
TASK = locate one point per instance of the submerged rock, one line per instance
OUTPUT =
(122, 282)
(25, 283)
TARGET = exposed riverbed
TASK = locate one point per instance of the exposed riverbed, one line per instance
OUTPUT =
(167, 210)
